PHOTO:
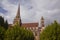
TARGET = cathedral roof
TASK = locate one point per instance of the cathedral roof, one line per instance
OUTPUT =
(29, 24)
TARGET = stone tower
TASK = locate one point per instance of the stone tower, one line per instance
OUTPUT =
(42, 24)
(17, 19)
(42, 21)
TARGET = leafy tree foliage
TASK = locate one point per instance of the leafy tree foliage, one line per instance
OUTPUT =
(51, 32)
(18, 33)
(2, 31)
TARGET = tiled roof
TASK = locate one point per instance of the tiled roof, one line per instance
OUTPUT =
(29, 24)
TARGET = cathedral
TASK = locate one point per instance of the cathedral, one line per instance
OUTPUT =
(29, 26)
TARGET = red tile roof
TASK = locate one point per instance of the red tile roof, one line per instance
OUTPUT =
(29, 24)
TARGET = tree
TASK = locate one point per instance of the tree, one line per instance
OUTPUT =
(18, 33)
(6, 24)
(2, 31)
(1, 21)
(51, 32)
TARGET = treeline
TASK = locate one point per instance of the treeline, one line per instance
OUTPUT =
(14, 33)
(51, 32)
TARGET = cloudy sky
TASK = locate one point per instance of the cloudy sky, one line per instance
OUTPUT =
(31, 10)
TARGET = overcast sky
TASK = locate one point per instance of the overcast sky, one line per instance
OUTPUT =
(31, 10)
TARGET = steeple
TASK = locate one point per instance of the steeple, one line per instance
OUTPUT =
(17, 19)
(18, 11)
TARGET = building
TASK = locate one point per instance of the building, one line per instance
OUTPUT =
(29, 26)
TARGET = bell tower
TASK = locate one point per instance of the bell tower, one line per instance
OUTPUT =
(17, 19)
(42, 24)
(42, 21)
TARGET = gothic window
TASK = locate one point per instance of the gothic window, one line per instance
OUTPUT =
(35, 33)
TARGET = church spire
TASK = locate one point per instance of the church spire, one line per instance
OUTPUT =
(17, 19)
(18, 11)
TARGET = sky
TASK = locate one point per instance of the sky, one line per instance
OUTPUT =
(31, 10)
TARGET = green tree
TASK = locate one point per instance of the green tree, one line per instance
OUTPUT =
(1, 21)
(51, 32)
(18, 33)
(6, 24)
(2, 31)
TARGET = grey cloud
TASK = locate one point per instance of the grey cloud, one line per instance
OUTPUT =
(53, 5)
(13, 2)
(27, 4)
